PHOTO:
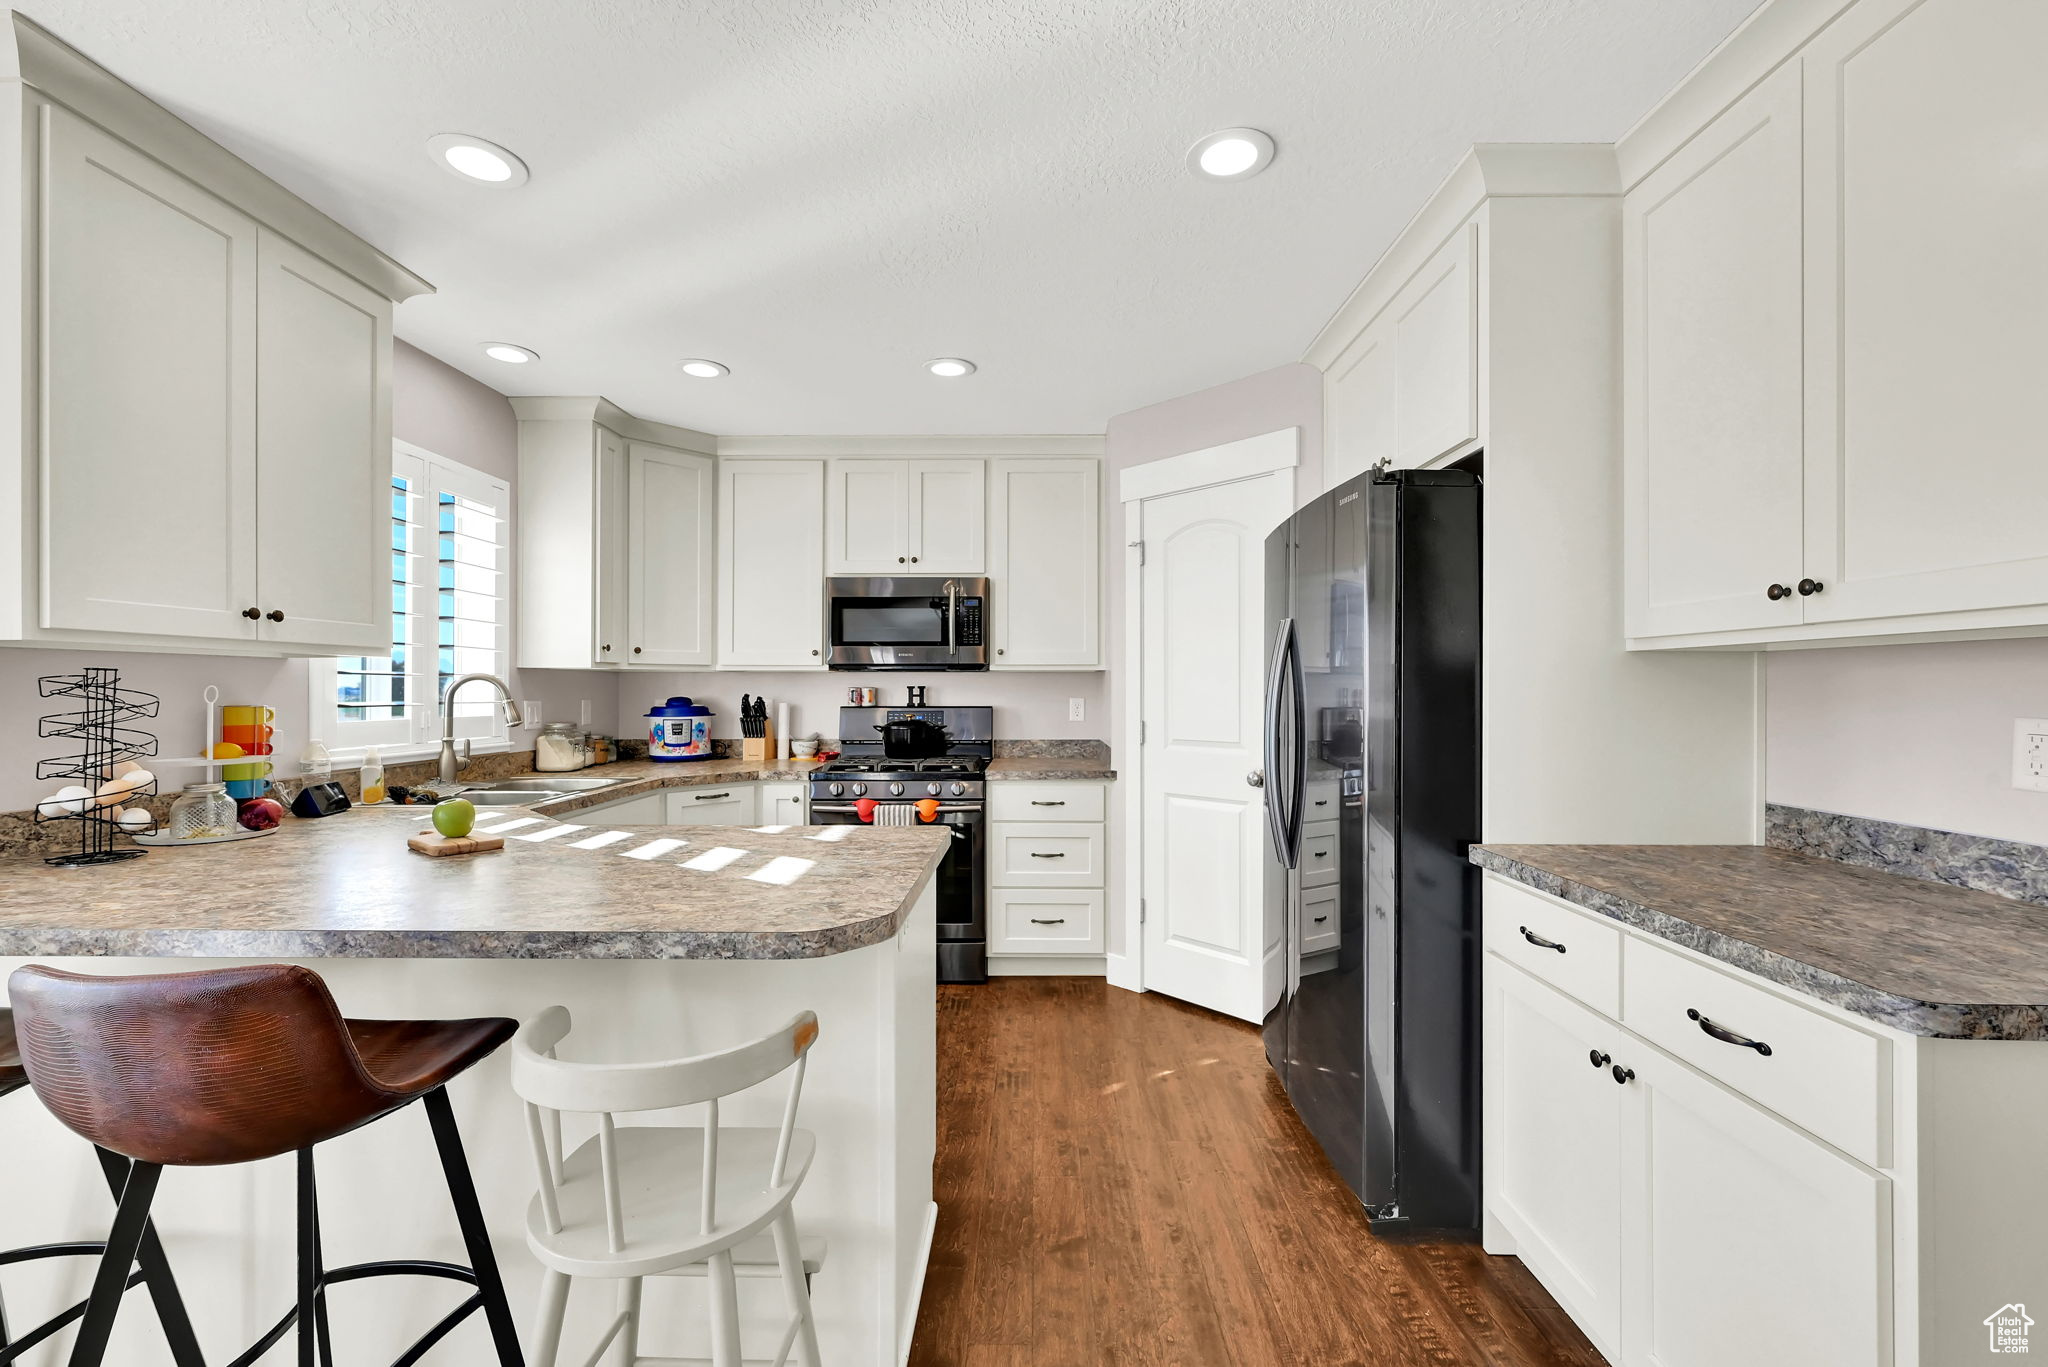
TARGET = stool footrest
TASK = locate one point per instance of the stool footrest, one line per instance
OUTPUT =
(90, 1248)
(16, 1347)
(354, 1272)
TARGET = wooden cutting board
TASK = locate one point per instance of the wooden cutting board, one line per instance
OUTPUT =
(434, 844)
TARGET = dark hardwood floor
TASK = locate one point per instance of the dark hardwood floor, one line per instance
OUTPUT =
(1121, 1181)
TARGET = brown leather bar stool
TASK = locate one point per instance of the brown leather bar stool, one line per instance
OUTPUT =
(233, 1065)
(152, 1269)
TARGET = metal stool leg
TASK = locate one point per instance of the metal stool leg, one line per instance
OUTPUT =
(110, 1284)
(312, 1310)
(156, 1274)
(462, 1189)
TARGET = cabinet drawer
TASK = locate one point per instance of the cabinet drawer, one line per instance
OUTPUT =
(1319, 854)
(1820, 1073)
(1319, 802)
(1055, 922)
(1029, 800)
(1571, 950)
(1319, 921)
(1045, 854)
(731, 805)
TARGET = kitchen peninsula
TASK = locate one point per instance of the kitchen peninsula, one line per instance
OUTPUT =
(662, 942)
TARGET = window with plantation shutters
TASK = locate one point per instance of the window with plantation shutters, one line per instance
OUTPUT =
(449, 580)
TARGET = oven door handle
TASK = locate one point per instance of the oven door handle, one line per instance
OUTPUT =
(944, 807)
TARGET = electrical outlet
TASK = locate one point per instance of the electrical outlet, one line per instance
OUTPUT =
(1077, 709)
(529, 713)
(583, 712)
(2030, 754)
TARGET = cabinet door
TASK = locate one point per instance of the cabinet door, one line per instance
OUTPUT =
(868, 517)
(1712, 425)
(671, 536)
(1358, 405)
(949, 500)
(1436, 354)
(1021, 922)
(612, 550)
(1926, 286)
(1553, 1143)
(323, 452)
(1045, 580)
(780, 804)
(771, 580)
(1746, 1241)
(148, 393)
(647, 810)
(722, 806)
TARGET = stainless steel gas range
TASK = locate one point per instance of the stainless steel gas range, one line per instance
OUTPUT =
(866, 785)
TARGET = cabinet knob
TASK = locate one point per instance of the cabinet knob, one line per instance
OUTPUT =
(636, 650)
(1777, 591)
(814, 652)
(1809, 587)
(252, 613)
(999, 650)
(1624, 1076)
(1600, 1060)
(607, 650)
(913, 560)
(899, 559)
(274, 615)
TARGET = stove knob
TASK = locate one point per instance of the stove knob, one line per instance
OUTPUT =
(896, 790)
(959, 788)
(836, 789)
(859, 788)
(932, 788)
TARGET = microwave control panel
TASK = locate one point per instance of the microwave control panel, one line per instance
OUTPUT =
(967, 625)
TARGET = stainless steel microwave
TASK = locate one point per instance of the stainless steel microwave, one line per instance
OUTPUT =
(928, 622)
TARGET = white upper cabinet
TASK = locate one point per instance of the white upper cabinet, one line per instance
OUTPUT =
(148, 457)
(671, 540)
(610, 552)
(209, 360)
(915, 517)
(1711, 259)
(771, 558)
(1833, 301)
(1436, 354)
(323, 452)
(1045, 564)
(1927, 489)
(1358, 405)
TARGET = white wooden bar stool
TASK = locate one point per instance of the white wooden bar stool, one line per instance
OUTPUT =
(638, 1201)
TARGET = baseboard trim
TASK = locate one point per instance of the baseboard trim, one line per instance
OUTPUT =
(924, 1262)
(1122, 971)
(1045, 965)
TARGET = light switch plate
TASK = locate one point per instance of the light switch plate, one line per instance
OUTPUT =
(529, 713)
(2030, 754)
(583, 712)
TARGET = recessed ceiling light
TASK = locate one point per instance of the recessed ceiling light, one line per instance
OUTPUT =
(704, 370)
(509, 354)
(1232, 154)
(477, 159)
(950, 367)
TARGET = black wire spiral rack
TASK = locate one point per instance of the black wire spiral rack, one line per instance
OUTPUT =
(99, 725)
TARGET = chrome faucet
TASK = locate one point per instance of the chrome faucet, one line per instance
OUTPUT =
(450, 764)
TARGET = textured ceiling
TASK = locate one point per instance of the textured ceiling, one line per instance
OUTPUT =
(824, 194)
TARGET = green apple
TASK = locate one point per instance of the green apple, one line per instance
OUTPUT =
(455, 817)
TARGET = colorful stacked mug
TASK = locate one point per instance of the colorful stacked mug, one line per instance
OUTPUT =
(249, 729)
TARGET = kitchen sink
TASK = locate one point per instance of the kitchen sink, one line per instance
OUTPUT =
(507, 797)
(542, 785)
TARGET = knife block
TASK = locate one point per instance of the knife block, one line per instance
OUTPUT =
(759, 749)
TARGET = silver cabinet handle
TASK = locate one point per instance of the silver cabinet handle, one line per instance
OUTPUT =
(1054, 921)
(1035, 854)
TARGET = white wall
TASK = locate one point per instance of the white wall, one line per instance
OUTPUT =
(434, 406)
(1920, 734)
(1029, 705)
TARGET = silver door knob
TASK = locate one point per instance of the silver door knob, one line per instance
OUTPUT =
(1256, 778)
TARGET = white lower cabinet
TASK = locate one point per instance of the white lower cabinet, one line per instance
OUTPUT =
(727, 804)
(1046, 851)
(779, 804)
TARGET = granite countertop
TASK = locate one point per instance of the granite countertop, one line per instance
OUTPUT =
(346, 886)
(1922, 957)
(1076, 770)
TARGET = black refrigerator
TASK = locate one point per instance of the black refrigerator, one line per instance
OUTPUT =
(1372, 800)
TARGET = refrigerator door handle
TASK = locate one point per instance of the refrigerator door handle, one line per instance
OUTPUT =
(1276, 823)
(1300, 778)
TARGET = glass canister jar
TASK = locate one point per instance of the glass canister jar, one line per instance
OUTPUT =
(203, 811)
(558, 748)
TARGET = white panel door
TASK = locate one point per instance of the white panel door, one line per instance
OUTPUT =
(1553, 1143)
(1201, 615)
(1045, 564)
(1359, 402)
(1926, 283)
(612, 548)
(949, 500)
(671, 561)
(1436, 354)
(1712, 424)
(771, 574)
(148, 395)
(868, 517)
(323, 452)
(1746, 1241)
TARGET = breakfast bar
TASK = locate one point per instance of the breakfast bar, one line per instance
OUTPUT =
(661, 941)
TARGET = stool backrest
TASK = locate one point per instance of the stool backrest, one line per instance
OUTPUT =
(550, 1086)
(225, 1065)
